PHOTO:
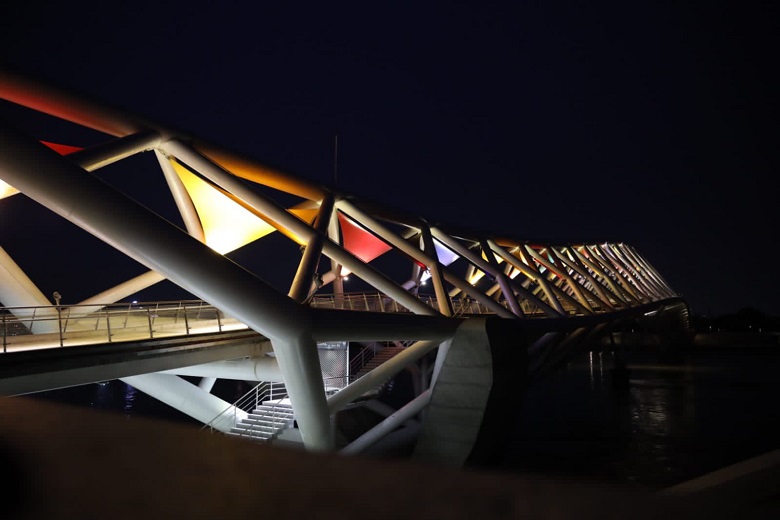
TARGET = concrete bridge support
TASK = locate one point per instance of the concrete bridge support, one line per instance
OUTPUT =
(476, 394)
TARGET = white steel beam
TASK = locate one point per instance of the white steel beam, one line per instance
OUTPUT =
(302, 283)
(17, 290)
(388, 425)
(102, 155)
(475, 260)
(379, 375)
(532, 274)
(561, 273)
(93, 205)
(187, 398)
(501, 278)
(613, 272)
(249, 369)
(181, 197)
(617, 290)
(286, 220)
(443, 299)
(596, 292)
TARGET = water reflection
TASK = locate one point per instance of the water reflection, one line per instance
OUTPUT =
(662, 425)
(129, 398)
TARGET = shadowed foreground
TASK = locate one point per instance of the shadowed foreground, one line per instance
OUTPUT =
(66, 462)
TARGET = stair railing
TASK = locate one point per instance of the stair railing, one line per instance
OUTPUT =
(250, 401)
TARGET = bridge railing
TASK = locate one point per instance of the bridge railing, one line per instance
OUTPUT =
(264, 392)
(51, 326)
(377, 302)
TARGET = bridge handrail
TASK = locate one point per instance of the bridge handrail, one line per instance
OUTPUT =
(378, 302)
(97, 323)
(85, 323)
(250, 401)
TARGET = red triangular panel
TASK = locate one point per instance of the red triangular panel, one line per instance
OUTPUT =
(360, 242)
(62, 149)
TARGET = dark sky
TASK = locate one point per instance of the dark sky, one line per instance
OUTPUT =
(647, 122)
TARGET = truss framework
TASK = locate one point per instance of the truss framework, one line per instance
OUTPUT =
(224, 202)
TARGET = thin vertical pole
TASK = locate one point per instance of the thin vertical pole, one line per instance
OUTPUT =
(335, 160)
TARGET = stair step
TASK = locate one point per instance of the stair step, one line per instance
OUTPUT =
(252, 436)
(267, 424)
(282, 408)
(256, 438)
(271, 412)
(253, 428)
(269, 417)
(264, 422)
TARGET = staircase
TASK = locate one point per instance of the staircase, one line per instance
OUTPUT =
(266, 422)
(380, 357)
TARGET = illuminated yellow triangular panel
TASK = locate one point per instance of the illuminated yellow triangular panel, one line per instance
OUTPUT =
(226, 224)
(6, 190)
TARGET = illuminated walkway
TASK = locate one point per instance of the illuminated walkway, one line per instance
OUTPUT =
(460, 291)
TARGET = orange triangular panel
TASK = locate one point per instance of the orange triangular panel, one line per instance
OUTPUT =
(307, 215)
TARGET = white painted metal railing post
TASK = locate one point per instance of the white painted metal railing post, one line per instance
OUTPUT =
(59, 325)
(186, 319)
(149, 320)
(108, 326)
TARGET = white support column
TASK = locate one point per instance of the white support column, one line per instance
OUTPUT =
(123, 290)
(102, 155)
(307, 268)
(418, 255)
(379, 375)
(443, 299)
(284, 219)
(596, 293)
(469, 289)
(614, 272)
(299, 362)
(632, 283)
(441, 355)
(253, 369)
(502, 279)
(335, 236)
(17, 290)
(388, 425)
(531, 274)
(181, 197)
(617, 291)
(641, 260)
(187, 398)
(560, 272)
(646, 285)
(641, 268)
(96, 207)
(573, 257)
(207, 383)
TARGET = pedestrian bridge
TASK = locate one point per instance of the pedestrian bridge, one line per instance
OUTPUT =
(453, 299)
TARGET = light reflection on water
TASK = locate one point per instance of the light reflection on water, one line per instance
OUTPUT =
(129, 398)
(670, 423)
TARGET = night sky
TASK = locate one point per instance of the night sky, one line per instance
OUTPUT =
(652, 123)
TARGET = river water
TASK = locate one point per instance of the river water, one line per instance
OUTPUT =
(665, 423)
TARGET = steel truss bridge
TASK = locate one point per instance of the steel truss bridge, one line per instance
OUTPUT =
(465, 300)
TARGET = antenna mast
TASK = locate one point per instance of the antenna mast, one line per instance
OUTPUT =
(335, 160)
